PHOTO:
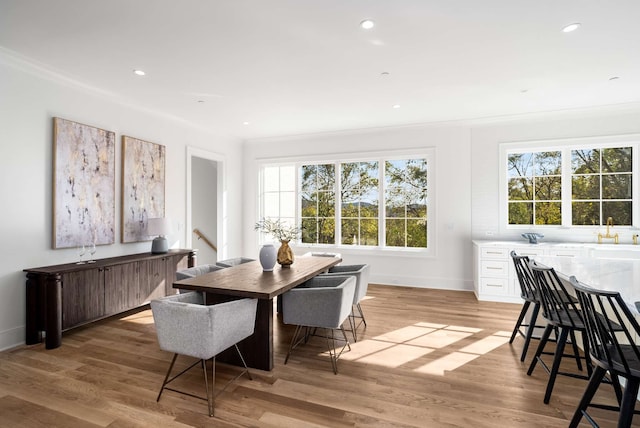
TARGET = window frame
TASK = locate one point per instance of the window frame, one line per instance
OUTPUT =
(565, 146)
(337, 159)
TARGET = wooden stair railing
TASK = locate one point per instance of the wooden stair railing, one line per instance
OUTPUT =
(201, 235)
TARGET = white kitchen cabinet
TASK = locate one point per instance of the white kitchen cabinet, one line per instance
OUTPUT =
(495, 278)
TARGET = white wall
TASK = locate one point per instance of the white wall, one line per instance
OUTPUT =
(486, 139)
(450, 267)
(467, 183)
(28, 101)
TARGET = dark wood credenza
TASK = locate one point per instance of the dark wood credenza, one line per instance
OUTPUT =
(65, 296)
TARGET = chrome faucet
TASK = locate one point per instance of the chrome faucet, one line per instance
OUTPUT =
(608, 235)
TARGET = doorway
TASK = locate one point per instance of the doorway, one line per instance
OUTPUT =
(205, 205)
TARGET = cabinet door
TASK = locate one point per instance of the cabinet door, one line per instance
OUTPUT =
(82, 297)
(174, 264)
(121, 287)
(153, 279)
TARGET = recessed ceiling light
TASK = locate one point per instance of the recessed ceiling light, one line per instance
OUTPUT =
(245, 123)
(139, 72)
(384, 74)
(367, 24)
(201, 101)
(571, 27)
(613, 78)
(524, 91)
(396, 106)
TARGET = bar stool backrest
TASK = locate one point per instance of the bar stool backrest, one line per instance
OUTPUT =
(558, 305)
(525, 277)
(611, 330)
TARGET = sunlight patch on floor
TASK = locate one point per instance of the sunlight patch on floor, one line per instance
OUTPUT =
(439, 338)
(404, 334)
(144, 317)
(451, 362)
(384, 353)
(465, 355)
(401, 346)
(486, 345)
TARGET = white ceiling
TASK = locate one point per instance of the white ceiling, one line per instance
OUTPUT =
(305, 66)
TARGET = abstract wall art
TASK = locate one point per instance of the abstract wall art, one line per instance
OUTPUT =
(83, 184)
(143, 175)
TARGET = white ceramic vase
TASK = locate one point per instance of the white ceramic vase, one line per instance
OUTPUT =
(268, 255)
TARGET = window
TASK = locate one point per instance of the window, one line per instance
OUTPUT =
(575, 184)
(601, 185)
(359, 197)
(279, 193)
(535, 184)
(406, 203)
(318, 198)
(374, 203)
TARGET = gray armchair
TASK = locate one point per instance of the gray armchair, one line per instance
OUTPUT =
(234, 262)
(186, 326)
(196, 271)
(321, 302)
(361, 273)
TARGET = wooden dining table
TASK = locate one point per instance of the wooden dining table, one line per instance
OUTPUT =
(249, 280)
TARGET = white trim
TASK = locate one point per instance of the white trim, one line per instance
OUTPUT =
(221, 204)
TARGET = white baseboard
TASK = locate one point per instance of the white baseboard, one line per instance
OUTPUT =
(12, 338)
(422, 282)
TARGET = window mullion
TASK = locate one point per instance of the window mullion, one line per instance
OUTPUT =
(338, 203)
(567, 197)
(382, 215)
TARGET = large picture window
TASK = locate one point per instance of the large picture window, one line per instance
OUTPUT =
(570, 185)
(369, 203)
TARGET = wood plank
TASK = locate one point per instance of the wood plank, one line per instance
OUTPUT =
(108, 374)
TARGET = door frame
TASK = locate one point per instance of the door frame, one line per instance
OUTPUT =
(221, 198)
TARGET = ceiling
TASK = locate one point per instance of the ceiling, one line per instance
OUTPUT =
(306, 66)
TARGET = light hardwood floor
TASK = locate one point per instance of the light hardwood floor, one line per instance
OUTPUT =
(428, 358)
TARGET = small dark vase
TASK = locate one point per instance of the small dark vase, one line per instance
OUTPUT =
(285, 254)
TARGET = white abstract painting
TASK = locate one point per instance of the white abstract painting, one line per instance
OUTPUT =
(84, 185)
(143, 174)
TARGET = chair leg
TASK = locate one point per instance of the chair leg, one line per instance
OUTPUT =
(628, 402)
(243, 362)
(541, 345)
(210, 395)
(331, 345)
(562, 341)
(523, 312)
(293, 342)
(576, 351)
(592, 387)
(164, 383)
(530, 330)
(364, 321)
(352, 325)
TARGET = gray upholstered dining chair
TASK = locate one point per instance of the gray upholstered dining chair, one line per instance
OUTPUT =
(234, 262)
(361, 273)
(322, 254)
(196, 271)
(185, 326)
(321, 302)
